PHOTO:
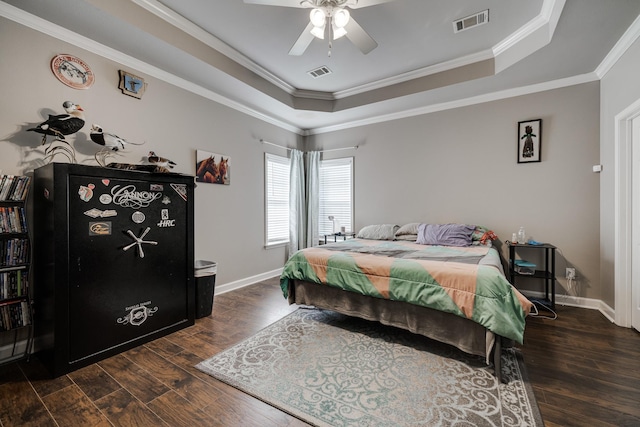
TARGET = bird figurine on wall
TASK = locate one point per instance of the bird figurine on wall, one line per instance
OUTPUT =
(58, 126)
(108, 140)
(154, 159)
(61, 124)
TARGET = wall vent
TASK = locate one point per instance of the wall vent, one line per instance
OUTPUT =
(319, 72)
(471, 21)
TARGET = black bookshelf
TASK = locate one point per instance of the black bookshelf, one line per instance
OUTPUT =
(16, 310)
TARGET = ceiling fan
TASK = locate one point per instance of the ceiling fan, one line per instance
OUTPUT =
(331, 15)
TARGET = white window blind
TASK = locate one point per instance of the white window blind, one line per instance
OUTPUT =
(277, 199)
(336, 194)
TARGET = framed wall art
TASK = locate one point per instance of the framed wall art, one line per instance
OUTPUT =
(131, 85)
(213, 168)
(529, 141)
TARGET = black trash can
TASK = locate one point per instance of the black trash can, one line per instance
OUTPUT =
(205, 274)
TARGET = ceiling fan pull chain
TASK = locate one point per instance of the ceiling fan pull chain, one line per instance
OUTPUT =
(330, 39)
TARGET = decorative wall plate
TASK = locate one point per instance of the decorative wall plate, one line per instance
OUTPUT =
(72, 71)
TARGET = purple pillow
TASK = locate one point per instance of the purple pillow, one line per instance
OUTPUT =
(445, 234)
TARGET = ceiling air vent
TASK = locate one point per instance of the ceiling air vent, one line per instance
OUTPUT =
(471, 21)
(319, 72)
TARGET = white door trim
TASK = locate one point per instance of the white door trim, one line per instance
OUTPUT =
(623, 211)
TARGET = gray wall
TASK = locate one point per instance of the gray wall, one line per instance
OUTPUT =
(460, 166)
(173, 122)
(450, 166)
(620, 88)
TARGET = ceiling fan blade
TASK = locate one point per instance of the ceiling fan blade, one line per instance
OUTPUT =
(359, 37)
(286, 3)
(303, 41)
(364, 3)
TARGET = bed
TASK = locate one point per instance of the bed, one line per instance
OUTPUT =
(454, 294)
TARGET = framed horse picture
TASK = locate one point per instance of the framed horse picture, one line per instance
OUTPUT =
(213, 168)
(529, 137)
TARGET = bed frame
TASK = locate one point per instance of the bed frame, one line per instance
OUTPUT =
(448, 328)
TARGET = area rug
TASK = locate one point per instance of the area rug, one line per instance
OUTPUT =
(328, 369)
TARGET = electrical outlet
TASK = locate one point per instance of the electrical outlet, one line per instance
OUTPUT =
(570, 273)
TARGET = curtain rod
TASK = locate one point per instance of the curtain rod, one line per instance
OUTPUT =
(355, 147)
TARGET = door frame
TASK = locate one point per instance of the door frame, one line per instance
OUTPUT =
(623, 213)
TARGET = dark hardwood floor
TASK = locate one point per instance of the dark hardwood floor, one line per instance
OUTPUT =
(584, 371)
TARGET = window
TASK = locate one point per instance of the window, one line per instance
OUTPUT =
(276, 199)
(336, 194)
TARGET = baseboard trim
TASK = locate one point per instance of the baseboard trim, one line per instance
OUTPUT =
(580, 302)
(227, 287)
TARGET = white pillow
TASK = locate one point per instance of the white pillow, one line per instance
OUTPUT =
(408, 229)
(378, 232)
(408, 237)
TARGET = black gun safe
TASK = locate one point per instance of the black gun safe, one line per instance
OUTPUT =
(113, 259)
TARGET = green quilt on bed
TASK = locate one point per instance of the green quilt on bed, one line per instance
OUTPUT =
(466, 281)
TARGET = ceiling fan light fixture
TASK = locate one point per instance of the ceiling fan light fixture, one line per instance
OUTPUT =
(341, 18)
(317, 17)
(338, 31)
(331, 14)
(318, 32)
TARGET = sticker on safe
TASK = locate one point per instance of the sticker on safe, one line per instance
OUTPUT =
(102, 228)
(97, 213)
(129, 197)
(181, 189)
(165, 221)
(86, 192)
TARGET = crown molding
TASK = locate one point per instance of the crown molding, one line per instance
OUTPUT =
(36, 23)
(549, 15)
(19, 16)
(547, 18)
(416, 74)
(480, 99)
(188, 27)
(180, 22)
(314, 94)
(625, 42)
(521, 34)
(532, 36)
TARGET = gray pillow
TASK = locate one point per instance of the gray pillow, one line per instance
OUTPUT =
(378, 232)
(445, 234)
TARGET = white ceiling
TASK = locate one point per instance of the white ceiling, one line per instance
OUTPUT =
(412, 34)
(236, 53)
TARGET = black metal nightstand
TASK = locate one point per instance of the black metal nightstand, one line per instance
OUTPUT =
(548, 274)
(336, 235)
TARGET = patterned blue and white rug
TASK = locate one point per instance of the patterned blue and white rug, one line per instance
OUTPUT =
(333, 370)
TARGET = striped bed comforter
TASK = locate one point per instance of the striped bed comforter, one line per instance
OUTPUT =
(466, 281)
